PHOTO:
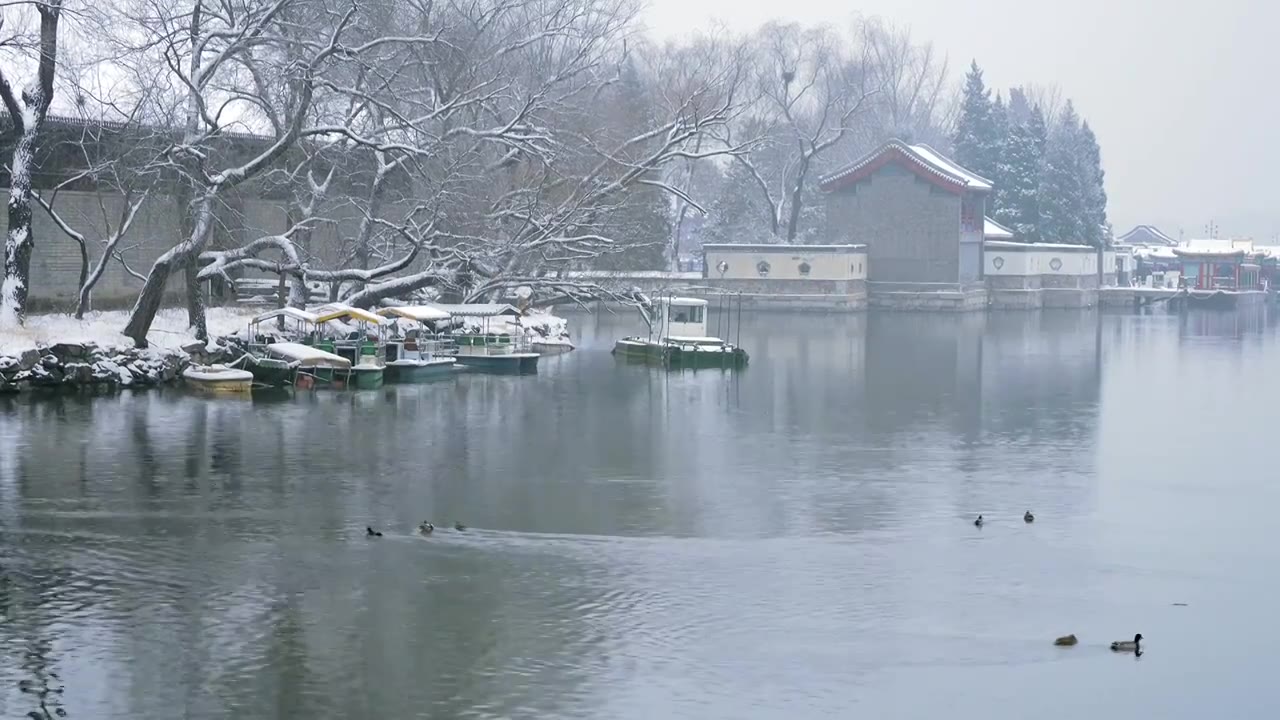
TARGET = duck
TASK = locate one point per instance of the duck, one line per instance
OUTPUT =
(1028, 517)
(426, 528)
(978, 522)
(1128, 645)
(1066, 640)
(459, 526)
(370, 532)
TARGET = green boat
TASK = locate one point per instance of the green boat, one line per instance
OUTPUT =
(364, 348)
(678, 339)
(489, 339)
(270, 371)
(420, 354)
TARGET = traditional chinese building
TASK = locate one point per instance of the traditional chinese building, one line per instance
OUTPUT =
(921, 215)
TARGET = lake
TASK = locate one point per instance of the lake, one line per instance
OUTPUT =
(796, 539)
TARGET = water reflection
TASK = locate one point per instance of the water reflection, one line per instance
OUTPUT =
(796, 537)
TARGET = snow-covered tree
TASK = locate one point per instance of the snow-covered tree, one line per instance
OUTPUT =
(1018, 173)
(1062, 190)
(977, 137)
(737, 214)
(26, 109)
(1096, 227)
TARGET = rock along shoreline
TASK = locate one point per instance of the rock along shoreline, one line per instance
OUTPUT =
(87, 366)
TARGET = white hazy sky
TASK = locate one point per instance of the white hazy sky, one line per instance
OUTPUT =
(1184, 97)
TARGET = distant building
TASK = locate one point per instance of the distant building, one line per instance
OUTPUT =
(921, 216)
(1146, 236)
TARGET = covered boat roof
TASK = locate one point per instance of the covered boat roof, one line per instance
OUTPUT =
(421, 313)
(683, 302)
(337, 311)
(288, 312)
(478, 309)
(307, 355)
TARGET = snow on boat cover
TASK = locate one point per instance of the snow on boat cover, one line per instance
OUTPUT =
(307, 355)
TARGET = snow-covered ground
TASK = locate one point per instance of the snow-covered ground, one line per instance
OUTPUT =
(103, 328)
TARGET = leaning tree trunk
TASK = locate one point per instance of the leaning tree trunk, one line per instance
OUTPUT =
(195, 300)
(152, 295)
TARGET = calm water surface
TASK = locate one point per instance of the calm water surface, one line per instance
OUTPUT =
(795, 540)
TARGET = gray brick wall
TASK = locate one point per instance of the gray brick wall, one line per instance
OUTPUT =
(910, 227)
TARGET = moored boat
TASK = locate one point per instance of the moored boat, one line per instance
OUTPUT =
(364, 345)
(312, 367)
(487, 341)
(419, 353)
(678, 339)
(218, 380)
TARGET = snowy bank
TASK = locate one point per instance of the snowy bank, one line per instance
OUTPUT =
(60, 351)
(103, 329)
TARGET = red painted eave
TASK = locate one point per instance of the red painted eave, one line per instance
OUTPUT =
(891, 155)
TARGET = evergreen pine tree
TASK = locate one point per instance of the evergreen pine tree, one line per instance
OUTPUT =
(1062, 192)
(977, 139)
(1000, 133)
(1018, 182)
(1095, 194)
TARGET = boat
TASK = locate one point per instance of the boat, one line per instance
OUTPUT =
(274, 372)
(215, 380)
(546, 333)
(312, 367)
(419, 354)
(364, 345)
(678, 338)
(488, 340)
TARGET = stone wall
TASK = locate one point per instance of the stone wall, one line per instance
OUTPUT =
(55, 260)
(910, 227)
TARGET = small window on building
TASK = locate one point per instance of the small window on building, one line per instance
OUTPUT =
(804, 268)
(763, 268)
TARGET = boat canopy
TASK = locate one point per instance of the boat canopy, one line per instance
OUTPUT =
(684, 302)
(287, 312)
(421, 313)
(480, 310)
(340, 312)
(308, 356)
(216, 373)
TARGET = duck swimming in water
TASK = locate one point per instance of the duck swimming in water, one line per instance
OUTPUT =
(1128, 645)
(426, 528)
(978, 522)
(459, 526)
(1066, 640)
(1028, 517)
(370, 532)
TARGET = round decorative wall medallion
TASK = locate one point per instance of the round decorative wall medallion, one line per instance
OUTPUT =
(804, 268)
(723, 267)
(998, 262)
(763, 268)
(1055, 264)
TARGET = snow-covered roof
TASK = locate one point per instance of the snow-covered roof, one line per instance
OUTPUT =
(1145, 235)
(920, 158)
(946, 164)
(287, 312)
(478, 309)
(307, 355)
(1010, 245)
(779, 248)
(684, 302)
(993, 230)
(1205, 251)
(421, 313)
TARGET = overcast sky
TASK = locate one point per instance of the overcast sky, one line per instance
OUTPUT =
(1184, 98)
